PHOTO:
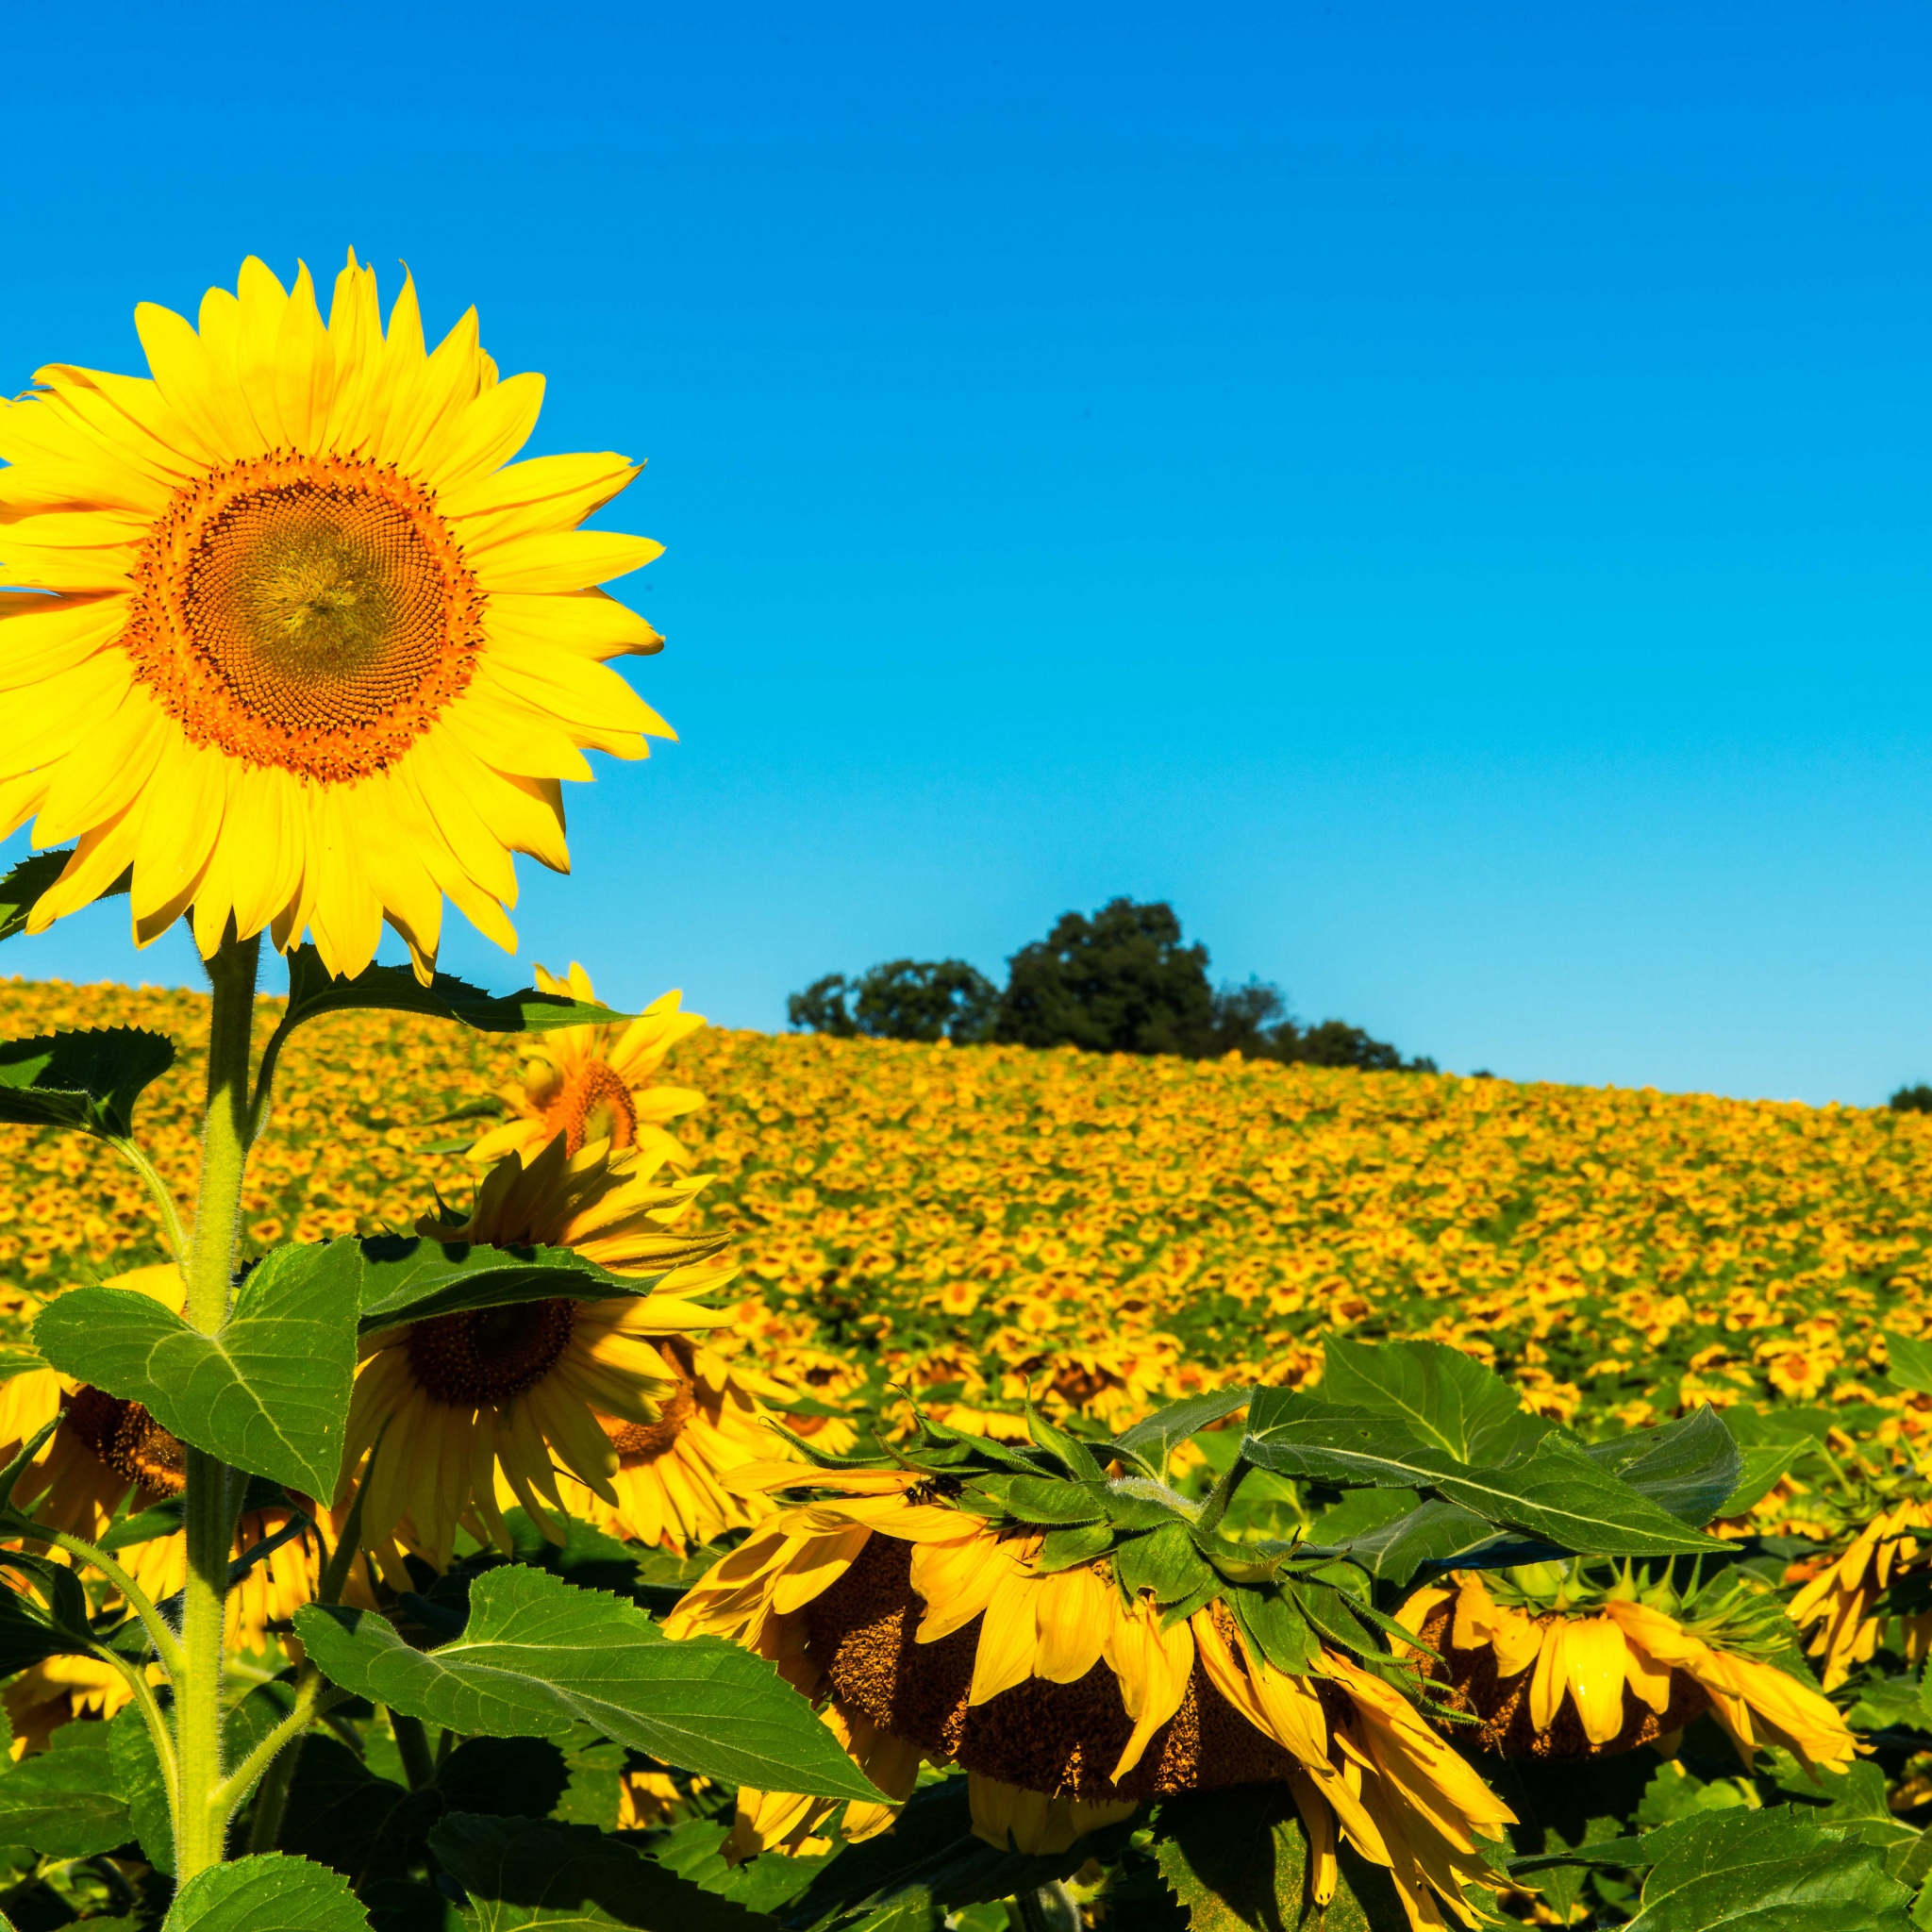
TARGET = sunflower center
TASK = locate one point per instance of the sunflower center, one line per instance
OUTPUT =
(490, 1355)
(595, 1105)
(309, 612)
(128, 1441)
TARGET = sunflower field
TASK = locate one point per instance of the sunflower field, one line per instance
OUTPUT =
(1291, 1310)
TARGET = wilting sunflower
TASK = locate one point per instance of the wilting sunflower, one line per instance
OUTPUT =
(304, 653)
(1079, 1669)
(1567, 1661)
(110, 1459)
(1841, 1604)
(520, 1389)
(593, 1082)
(671, 1482)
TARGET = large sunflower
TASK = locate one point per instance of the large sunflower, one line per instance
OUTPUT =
(1072, 1671)
(593, 1082)
(519, 1392)
(303, 653)
(1843, 1604)
(1585, 1660)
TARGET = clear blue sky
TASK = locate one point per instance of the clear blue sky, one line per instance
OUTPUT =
(1441, 494)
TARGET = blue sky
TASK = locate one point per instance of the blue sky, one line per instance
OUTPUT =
(1440, 494)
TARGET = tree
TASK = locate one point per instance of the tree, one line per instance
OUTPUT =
(1253, 1021)
(1119, 982)
(901, 999)
(1911, 1099)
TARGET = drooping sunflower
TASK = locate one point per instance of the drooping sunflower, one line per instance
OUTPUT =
(594, 1083)
(297, 650)
(110, 1459)
(1583, 1661)
(1841, 1605)
(672, 1479)
(1078, 1665)
(519, 1391)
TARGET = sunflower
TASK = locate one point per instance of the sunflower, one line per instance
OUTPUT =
(915, 1607)
(55, 1691)
(521, 1390)
(593, 1082)
(296, 650)
(110, 1457)
(1840, 1605)
(670, 1482)
(1557, 1664)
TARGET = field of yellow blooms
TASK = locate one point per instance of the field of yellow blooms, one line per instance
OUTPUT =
(1106, 1233)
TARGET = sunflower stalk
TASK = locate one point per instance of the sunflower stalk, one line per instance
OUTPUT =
(208, 1499)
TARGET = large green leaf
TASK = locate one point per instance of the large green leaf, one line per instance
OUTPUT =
(1437, 1532)
(1745, 1871)
(1559, 1494)
(408, 1278)
(1911, 1364)
(23, 888)
(1151, 1441)
(525, 1871)
(1449, 1400)
(85, 1080)
(267, 1893)
(1238, 1860)
(65, 1801)
(539, 1655)
(313, 992)
(1689, 1466)
(1765, 1465)
(268, 1392)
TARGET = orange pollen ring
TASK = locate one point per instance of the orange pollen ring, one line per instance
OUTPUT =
(309, 613)
(595, 1105)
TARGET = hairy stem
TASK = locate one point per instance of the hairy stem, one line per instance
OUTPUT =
(162, 1195)
(208, 1501)
(166, 1646)
(312, 1697)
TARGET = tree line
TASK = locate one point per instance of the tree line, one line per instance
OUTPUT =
(1120, 980)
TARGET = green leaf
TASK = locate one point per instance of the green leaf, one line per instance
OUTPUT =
(1044, 1499)
(1689, 1466)
(1911, 1361)
(1152, 1443)
(1276, 1629)
(1079, 1542)
(27, 1634)
(269, 1392)
(1559, 1494)
(539, 1655)
(267, 1893)
(1449, 1400)
(65, 1801)
(340, 1814)
(85, 1080)
(138, 1779)
(407, 1278)
(312, 992)
(1075, 1456)
(23, 888)
(1165, 1561)
(528, 1872)
(1746, 1870)
(1237, 1860)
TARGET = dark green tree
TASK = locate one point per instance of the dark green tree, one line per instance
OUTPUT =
(1911, 1099)
(1119, 982)
(821, 1007)
(901, 999)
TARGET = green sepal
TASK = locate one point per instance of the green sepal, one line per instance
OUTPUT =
(87, 1081)
(1072, 1454)
(1065, 1549)
(1164, 1562)
(1274, 1628)
(1151, 1442)
(1043, 1499)
(1136, 1502)
(1331, 1613)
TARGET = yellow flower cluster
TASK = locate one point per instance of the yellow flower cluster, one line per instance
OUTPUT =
(1110, 1232)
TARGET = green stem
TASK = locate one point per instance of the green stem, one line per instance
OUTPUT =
(136, 1599)
(162, 1195)
(312, 1697)
(412, 1746)
(209, 1500)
